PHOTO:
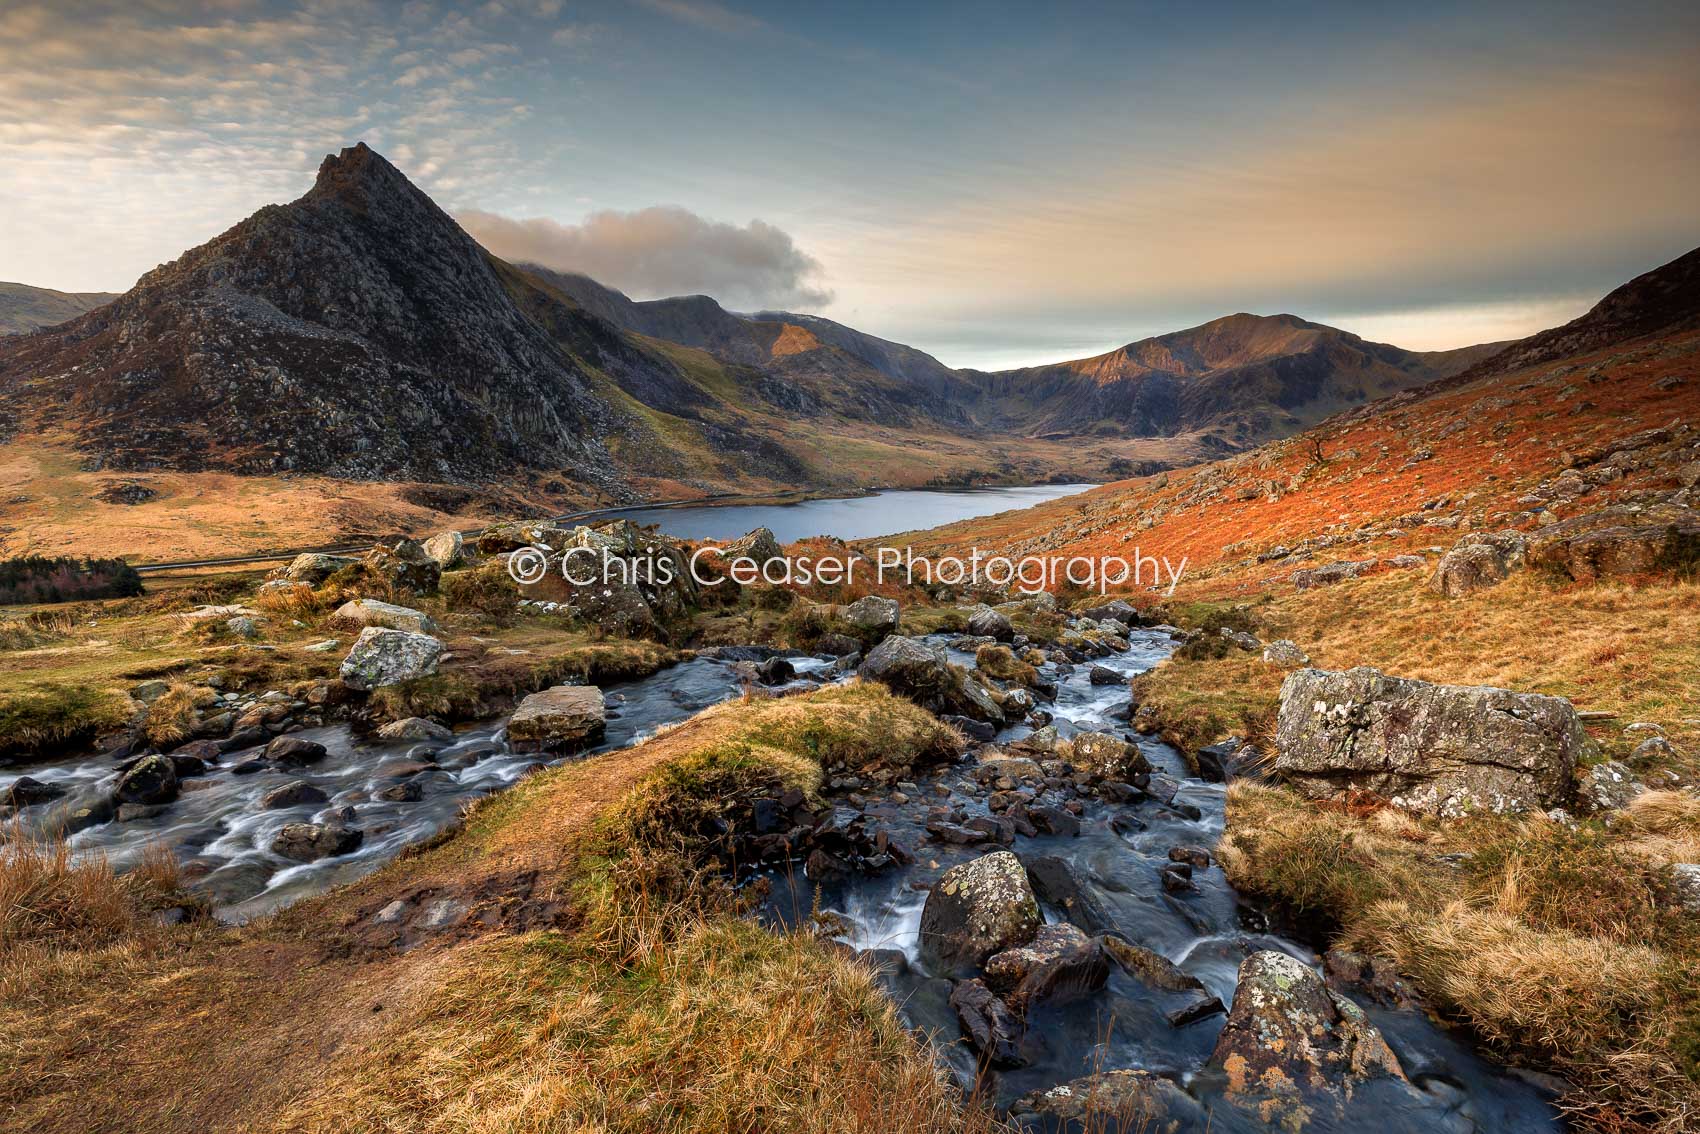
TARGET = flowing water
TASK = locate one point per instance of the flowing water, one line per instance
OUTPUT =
(217, 830)
(852, 518)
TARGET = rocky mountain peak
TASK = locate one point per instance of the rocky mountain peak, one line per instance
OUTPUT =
(363, 180)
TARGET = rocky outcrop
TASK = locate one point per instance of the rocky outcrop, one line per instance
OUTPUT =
(978, 909)
(926, 676)
(356, 614)
(1479, 561)
(561, 719)
(1291, 1042)
(1308, 578)
(874, 614)
(1444, 750)
(382, 657)
(1619, 541)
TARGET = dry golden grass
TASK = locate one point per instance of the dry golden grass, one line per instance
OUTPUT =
(171, 718)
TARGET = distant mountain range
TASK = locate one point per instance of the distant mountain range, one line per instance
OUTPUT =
(25, 308)
(359, 332)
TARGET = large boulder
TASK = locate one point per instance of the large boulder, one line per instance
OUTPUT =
(1290, 1041)
(1619, 541)
(1114, 1100)
(561, 719)
(1478, 561)
(875, 614)
(978, 909)
(1444, 750)
(382, 657)
(28, 792)
(1102, 756)
(447, 549)
(923, 674)
(313, 567)
(1060, 960)
(987, 1023)
(150, 780)
(1328, 574)
(988, 623)
(759, 545)
(358, 613)
(403, 566)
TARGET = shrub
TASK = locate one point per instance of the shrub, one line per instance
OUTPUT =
(487, 590)
(36, 578)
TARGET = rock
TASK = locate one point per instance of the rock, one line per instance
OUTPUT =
(1014, 767)
(1685, 882)
(1609, 786)
(1327, 575)
(1148, 967)
(987, 1023)
(294, 751)
(1374, 977)
(977, 909)
(1058, 885)
(415, 728)
(1114, 611)
(357, 613)
(1246, 642)
(1654, 748)
(1289, 1040)
(1103, 756)
(323, 647)
(560, 719)
(1104, 675)
(1286, 653)
(314, 568)
(924, 675)
(27, 792)
(296, 793)
(1194, 856)
(382, 657)
(408, 791)
(1060, 960)
(1619, 541)
(1126, 1100)
(150, 691)
(403, 566)
(1444, 750)
(1229, 760)
(1190, 1013)
(838, 645)
(150, 780)
(776, 671)
(988, 623)
(307, 842)
(1479, 561)
(759, 545)
(874, 614)
(447, 550)
(242, 626)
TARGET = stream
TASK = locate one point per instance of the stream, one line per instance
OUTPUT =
(222, 838)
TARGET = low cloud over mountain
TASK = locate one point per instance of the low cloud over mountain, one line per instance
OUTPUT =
(663, 250)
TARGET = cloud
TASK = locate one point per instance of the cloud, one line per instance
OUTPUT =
(707, 14)
(664, 250)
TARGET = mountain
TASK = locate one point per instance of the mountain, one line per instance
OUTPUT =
(1243, 377)
(25, 308)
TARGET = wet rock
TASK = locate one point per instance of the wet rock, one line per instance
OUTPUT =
(1609, 786)
(1176, 878)
(1056, 883)
(1373, 977)
(362, 612)
(150, 780)
(561, 719)
(383, 657)
(977, 909)
(296, 793)
(924, 675)
(1104, 675)
(294, 751)
(1229, 760)
(1478, 561)
(1286, 653)
(1444, 750)
(1059, 961)
(1190, 1013)
(27, 792)
(1053, 821)
(775, 671)
(838, 645)
(987, 1023)
(1289, 1041)
(988, 623)
(308, 842)
(1103, 756)
(408, 791)
(1148, 967)
(1194, 856)
(1114, 1100)
(415, 728)
(874, 614)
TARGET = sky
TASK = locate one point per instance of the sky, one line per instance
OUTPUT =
(997, 184)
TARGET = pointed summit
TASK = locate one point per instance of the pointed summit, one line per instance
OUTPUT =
(364, 180)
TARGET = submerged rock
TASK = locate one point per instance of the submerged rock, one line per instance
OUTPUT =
(1115, 1100)
(987, 1023)
(560, 719)
(977, 909)
(1444, 750)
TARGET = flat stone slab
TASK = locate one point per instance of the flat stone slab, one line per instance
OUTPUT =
(362, 612)
(560, 719)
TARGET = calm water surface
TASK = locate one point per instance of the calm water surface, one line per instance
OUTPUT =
(862, 517)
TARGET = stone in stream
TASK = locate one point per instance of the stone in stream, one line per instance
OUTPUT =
(1127, 1100)
(1056, 883)
(307, 842)
(1103, 756)
(1229, 760)
(1290, 1042)
(26, 792)
(988, 623)
(1116, 610)
(150, 780)
(1059, 961)
(976, 909)
(294, 752)
(1149, 967)
(875, 614)
(987, 1023)
(1103, 675)
(381, 657)
(358, 613)
(1445, 750)
(296, 793)
(560, 719)
(415, 728)
(923, 674)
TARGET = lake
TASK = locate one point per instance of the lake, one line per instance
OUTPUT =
(853, 518)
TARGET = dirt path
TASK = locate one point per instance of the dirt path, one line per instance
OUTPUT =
(221, 1031)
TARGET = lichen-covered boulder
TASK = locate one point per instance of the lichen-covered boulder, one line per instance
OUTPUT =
(923, 674)
(415, 728)
(1609, 786)
(307, 842)
(358, 613)
(1102, 756)
(1285, 652)
(1308, 578)
(403, 566)
(976, 909)
(759, 545)
(1445, 750)
(382, 657)
(150, 780)
(1291, 1042)
(1618, 541)
(1478, 561)
(1114, 1100)
(447, 549)
(874, 614)
(313, 568)
(561, 719)
(988, 623)
(1060, 960)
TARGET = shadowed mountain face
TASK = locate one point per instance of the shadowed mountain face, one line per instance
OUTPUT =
(24, 308)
